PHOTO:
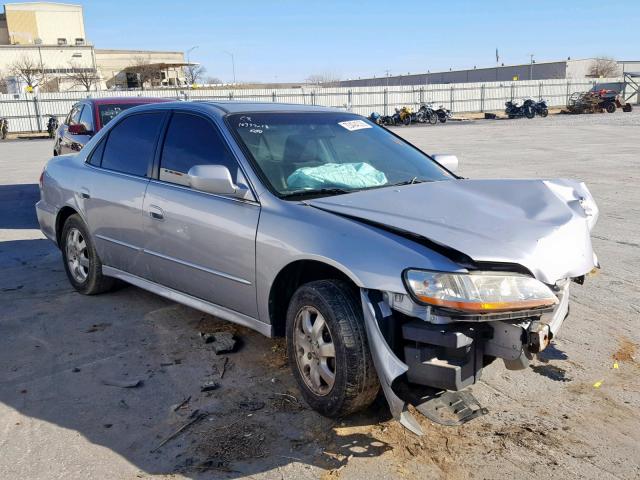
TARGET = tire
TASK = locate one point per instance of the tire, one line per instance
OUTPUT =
(610, 107)
(529, 113)
(407, 120)
(86, 260)
(627, 107)
(543, 112)
(355, 382)
(432, 118)
(442, 118)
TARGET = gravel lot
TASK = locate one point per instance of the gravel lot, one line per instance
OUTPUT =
(571, 415)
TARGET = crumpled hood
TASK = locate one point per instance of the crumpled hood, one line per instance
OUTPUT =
(543, 225)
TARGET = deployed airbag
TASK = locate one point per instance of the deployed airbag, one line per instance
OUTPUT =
(336, 175)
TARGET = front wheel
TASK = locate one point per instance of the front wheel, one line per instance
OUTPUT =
(406, 120)
(529, 113)
(543, 112)
(610, 107)
(433, 118)
(328, 349)
(81, 261)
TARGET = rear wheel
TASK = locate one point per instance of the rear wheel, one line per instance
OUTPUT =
(543, 112)
(406, 120)
(433, 118)
(610, 107)
(328, 349)
(81, 261)
(529, 113)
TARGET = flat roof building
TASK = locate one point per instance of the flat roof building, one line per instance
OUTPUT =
(51, 38)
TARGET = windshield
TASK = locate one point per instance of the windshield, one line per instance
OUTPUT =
(329, 153)
(110, 111)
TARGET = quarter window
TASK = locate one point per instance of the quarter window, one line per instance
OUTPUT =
(131, 144)
(192, 140)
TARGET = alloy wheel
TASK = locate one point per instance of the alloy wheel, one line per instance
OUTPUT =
(315, 350)
(77, 255)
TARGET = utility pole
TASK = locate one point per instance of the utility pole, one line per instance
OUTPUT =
(387, 74)
(233, 65)
(189, 62)
(531, 67)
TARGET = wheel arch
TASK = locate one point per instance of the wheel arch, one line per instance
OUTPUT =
(64, 213)
(292, 276)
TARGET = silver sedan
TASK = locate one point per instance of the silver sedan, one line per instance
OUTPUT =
(380, 265)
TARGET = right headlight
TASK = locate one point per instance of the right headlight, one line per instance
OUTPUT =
(478, 292)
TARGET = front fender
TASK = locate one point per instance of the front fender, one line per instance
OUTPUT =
(371, 257)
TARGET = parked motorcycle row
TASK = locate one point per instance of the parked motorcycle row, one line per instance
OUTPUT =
(528, 109)
(427, 113)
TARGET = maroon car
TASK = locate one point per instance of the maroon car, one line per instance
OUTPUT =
(88, 116)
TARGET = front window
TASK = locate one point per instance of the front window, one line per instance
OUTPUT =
(307, 154)
(108, 111)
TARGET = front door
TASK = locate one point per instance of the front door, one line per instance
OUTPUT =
(198, 243)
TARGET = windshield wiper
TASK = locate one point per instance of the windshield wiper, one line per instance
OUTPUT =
(407, 182)
(318, 191)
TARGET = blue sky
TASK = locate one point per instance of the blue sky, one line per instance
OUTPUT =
(289, 40)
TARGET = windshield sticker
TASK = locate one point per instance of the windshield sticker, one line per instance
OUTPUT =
(353, 125)
(246, 122)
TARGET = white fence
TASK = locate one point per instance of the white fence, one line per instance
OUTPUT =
(29, 112)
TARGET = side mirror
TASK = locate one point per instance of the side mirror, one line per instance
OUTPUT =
(214, 179)
(448, 161)
(78, 129)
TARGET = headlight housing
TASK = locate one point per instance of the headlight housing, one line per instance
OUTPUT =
(478, 292)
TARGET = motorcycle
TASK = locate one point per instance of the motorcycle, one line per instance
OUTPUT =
(404, 115)
(427, 114)
(52, 126)
(513, 110)
(444, 114)
(540, 107)
(4, 127)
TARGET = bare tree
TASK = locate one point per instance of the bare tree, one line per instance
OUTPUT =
(193, 73)
(326, 78)
(82, 77)
(29, 71)
(145, 71)
(603, 67)
(212, 80)
(4, 85)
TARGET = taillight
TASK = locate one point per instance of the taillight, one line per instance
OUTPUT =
(42, 179)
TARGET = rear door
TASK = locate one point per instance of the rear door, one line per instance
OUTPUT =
(121, 167)
(196, 242)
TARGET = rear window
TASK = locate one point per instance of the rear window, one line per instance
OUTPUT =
(131, 144)
(110, 111)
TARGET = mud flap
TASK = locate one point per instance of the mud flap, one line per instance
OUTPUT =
(388, 366)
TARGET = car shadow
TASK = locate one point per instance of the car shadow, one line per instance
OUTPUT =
(17, 206)
(126, 370)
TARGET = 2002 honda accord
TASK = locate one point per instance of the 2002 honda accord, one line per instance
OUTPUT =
(378, 263)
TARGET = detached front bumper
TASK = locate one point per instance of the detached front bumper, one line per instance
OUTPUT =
(449, 356)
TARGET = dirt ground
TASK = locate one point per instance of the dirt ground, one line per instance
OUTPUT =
(110, 386)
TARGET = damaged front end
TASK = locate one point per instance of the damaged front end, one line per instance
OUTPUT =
(425, 356)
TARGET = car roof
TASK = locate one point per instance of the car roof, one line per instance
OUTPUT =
(126, 100)
(223, 107)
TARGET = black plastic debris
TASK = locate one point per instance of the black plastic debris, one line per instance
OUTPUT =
(222, 342)
(251, 405)
(209, 386)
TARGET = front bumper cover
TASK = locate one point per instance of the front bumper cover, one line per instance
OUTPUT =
(450, 357)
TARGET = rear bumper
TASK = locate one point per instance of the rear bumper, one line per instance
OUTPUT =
(47, 220)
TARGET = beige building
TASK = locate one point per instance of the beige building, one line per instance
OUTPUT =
(51, 37)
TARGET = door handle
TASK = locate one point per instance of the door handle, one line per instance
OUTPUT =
(156, 212)
(84, 193)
